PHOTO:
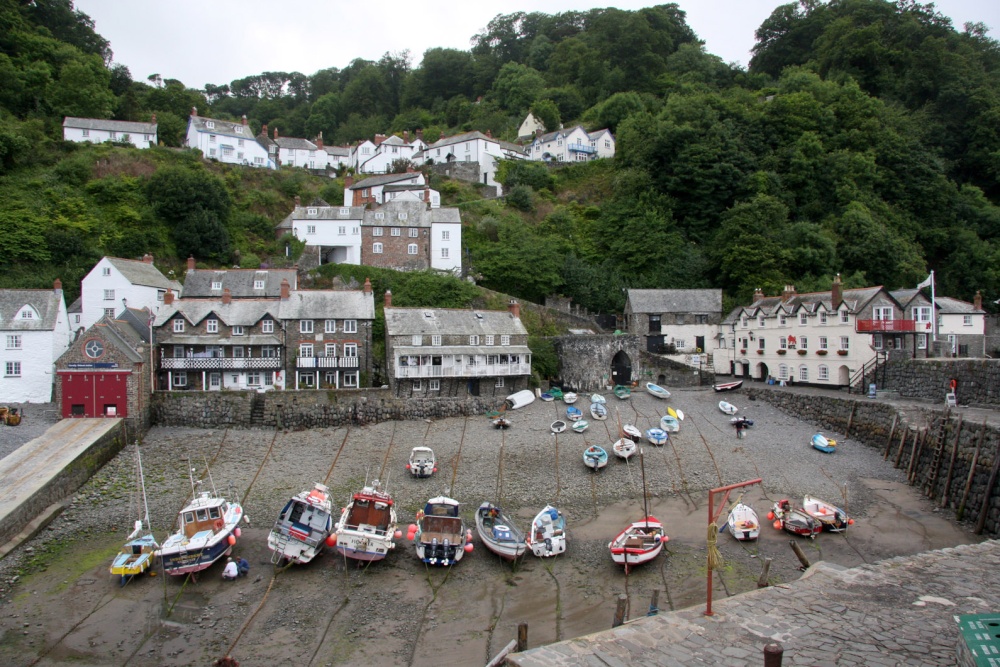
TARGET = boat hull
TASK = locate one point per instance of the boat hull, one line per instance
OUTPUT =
(182, 561)
(136, 557)
(547, 537)
(657, 391)
(595, 457)
(728, 408)
(498, 533)
(743, 523)
(182, 555)
(639, 543)
(624, 448)
(796, 521)
(598, 411)
(727, 386)
(441, 536)
(823, 444)
(657, 436)
(832, 518)
(670, 424)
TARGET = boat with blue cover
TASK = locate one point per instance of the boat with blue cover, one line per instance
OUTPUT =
(498, 532)
(573, 413)
(823, 444)
(595, 457)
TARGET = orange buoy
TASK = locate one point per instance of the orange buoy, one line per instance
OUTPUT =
(777, 525)
(231, 539)
(331, 540)
(770, 516)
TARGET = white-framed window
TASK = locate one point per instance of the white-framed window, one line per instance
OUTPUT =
(239, 352)
(268, 378)
(505, 340)
(418, 385)
(212, 326)
(845, 317)
(253, 378)
(823, 373)
(376, 231)
(803, 374)
(180, 379)
(380, 215)
(12, 369)
(267, 326)
(351, 379)
(345, 211)
(499, 382)
(444, 253)
(802, 342)
(401, 216)
(921, 342)
(413, 232)
(417, 339)
(845, 343)
(434, 385)
(760, 321)
(310, 229)
(350, 349)
(489, 339)
(310, 211)
(268, 352)
(822, 318)
(14, 342)
(106, 271)
(877, 341)
(395, 231)
(436, 339)
(782, 320)
(783, 343)
(350, 326)
(306, 350)
(109, 313)
(330, 326)
(258, 283)
(330, 350)
(86, 132)
(882, 313)
(109, 295)
(823, 343)
(966, 320)
(760, 343)
(330, 378)
(178, 325)
(782, 372)
(744, 322)
(411, 249)
(216, 284)
(341, 230)
(803, 318)
(377, 248)
(473, 340)
(211, 138)
(305, 326)
(210, 124)
(445, 235)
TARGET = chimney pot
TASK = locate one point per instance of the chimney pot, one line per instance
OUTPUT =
(168, 297)
(191, 263)
(758, 294)
(275, 133)
(788, 293)
(348, 181)
(836, 292)
(977, 301)
(57, 285)
(244, 119)
(367, 288)
(194, 111)
(147, 258)
(406, 136)
(388, 299)
(489, 133)
(298, 200)
(285, 289)
(515, 309)
(263, 129)
(227, 296)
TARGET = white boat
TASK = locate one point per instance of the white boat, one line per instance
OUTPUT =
(498, 533)
(558, 426)
(138, 552)
(728, 386)
(657, 436)
(548, 533)
(440, 534)
(547, 397)
(520, 399)
(595, 457)
(624, 448)
(743, 523)
(569, 397)
(421, 462)
(728, 408)
(303, 528)
(367, 526)
(832, 517)
(670, 424)
(599, 411)
(208, 528)
(657, 391)
(597, 398)
(501, 422)
(642, 540)
(574, 413)
(580, 425)
(631, 432)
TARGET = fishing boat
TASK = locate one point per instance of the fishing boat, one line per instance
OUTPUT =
(728, 408)
(631, 432)
(548, 533)
(599, 411)
(558, 426)
(519, 399)
(208, 528)
(670, 424)
(743, 523)
(657, 436)
(656, 390)
(832, 517)
(624, 448)
(580, 425)
(728, 386)
(573, 413)
(642, 540)
(138, 552)
(597, 398)
(501, 422)
(421, 462)
(569, 397)
(440, 535)
(622, 391)
(367, 527)
(303, 528)
(794, 520)
(498, 533)
(823, 443)
(546, 396)
(595, 457)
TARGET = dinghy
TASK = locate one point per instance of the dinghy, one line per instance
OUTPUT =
(421, 462)
(728, 408)
(546, 396)
(498, 533)
(597, 398)
(624, 448)
(642, 540)
(598, 411)
(728, 386)
(670, 424)
(558, 426)
(573, 413)
(569, 397)
(743, 523)
(622, 391)
(657, 436)
(794, 520)
(580, 425)
(832, 517)
(824, 444)
(595, 457)
(520, 399)
(548, 533)
(657, 391)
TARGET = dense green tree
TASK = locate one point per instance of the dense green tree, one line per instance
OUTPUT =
(517, 87)
(548, 113)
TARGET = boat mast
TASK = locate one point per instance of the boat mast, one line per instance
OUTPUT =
(142, 484)
(645, 498)
(210, 480)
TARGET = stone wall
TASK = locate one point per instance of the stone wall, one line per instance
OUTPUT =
(935, 448)
(464, 171)
(978, 379)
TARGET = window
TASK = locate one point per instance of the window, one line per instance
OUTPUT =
(258, 283)
(377, 248)
(238, 352)
(803, 374)
(395, 231)
(505, 340)
(845, 317)
(14, 342)
(444, 253)
(845, 343)
(967, 320)
(822, 343)
(305, 326)
(180, 379)
(782, 320)
(417, 339)
(376, 231)
(178, 325)
(411, 249)
(253, 378)
(330, 378)
(267, 326)
(782, 372)
(342, 231)
(445, 235)
(330, 326)
(310, 211)
(86, 132)
(434, 385)
(417, 385)
(822, 318)
(212, 326)
(824, 373)
(473, 340)
(413, 233)
(401, 216)
(238, 330)
(499, 382)
(803, 343)
(350, 326)
(351, 379)
(877, 340)
(12, 369)
(350, 349)
(310, 229)
(489, 340)
(921, 342)
(210, 124)
(109, 313)
(306, 350)
(783, 343)
(803, 318)
(216, 284)
(106, 271)
(330, 350)
(211, 138)
(760, 321)
(760, 343)
(345, 211)
(654, 324)
(882, 313)
(268, 352)
(109, 295)
(744, 322)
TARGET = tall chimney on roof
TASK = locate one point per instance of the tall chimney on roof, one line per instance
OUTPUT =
(788, 292)
(388, 299)
(244, 119)
(298, 200)
(348, 182)
(227, 296)
(489, 134)
(367, 287)
(168, 297)
(194, 111)
(319, 141)
(57, 286)
(427, 195)
(758, 294)
(977, 301)
(147, 258)
(406, 136)
(538, 133)
(285, 289)
(263, 129)
(191, 263)
(442, 135)
(836, 292)
(152, 119)
(275, 133)
(515, 309)
(420, 134)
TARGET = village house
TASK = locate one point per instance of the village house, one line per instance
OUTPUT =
(471, 149)
(115, 284)
(241, 283)
(332, 233)
(961, 327)
(409, 236)
(380, 189)
(572, 145)
(292, 151)
(98, 130)
(35, 329)
(529, 127)
(226, 141)
(433, 352)
(674, 320)
(377, 155)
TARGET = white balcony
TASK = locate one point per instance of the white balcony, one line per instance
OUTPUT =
(479, 370)
(326, 362)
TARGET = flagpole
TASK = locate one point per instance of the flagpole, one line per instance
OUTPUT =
(933, 312)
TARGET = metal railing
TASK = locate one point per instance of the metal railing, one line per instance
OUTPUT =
(326, 362)
(219, 363)
(481, 370)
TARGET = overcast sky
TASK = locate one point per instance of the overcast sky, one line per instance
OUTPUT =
(216, 41)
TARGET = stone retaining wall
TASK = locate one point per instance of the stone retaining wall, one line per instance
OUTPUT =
(938, 466)
(978, 379)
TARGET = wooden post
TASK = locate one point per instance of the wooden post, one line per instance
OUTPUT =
(654, 604)
(850, 420)
(951, 464)
(773, 654)
(620, 610)
(918, 444)
(892, 432)
(800, 554)
(522, 637)
(899, 452)
(984, 510)
(972, 472)
(762, 580)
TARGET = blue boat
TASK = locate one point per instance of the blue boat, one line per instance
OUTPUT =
(657, 436)
(595, 457)
(546, 396)
(573, 413)
(824, 444)
(670, 424)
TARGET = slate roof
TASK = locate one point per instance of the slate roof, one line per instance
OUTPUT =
(109, 125)
(949, 306)
(328, 304)
(811, 302)
(238, 312)
(383, 179)
(142, 273)
(44, 301)
(222, 127)
(445, 321)
(565, 132)
(675, 300)
(459, 138)
(293, 143)
(76, 306)
(417, 214)
(322, 213)
(121, 335)
(514, 148)
(337, 150)
(240, 282)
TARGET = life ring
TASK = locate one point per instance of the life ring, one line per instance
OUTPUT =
(953, 384)
(219, 523)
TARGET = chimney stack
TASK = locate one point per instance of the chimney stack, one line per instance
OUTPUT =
(275, 133)
(367, 287)
(147, 258)
(191, 263)
(836, 292)
(227, 296)
(442, 135)
(388, 299)
(263, 129)
(168, 297)
(194, 111)
(319, 141)
(788, 293)
(285, 289)
(538, 133)
(515, 309)
(57, 286)
(152, 119)
(409, 169)
(406, 136)
(420, 134)
(489, 134)
(977, 301)
(427, 195)
(298, 200)
(348, 182)
(244, 119)
(758, 294)
(379, 138)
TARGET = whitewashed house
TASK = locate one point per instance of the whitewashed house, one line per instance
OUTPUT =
(961, 327)
(337, 157)
(226, 141)
(473, 147)
(572, 145)
(529, 127)
(115, 284)
(36, 331)
(292, 151)
(376, 156)
(333, 233)
(98, 130)
(379, 189)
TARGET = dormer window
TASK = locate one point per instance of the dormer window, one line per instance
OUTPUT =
(27, 314)
(239, 129)
(380, 215)
(216, 284)
(345, 211)
(212, 326)
(210, 124)
(179, 325)
(311, 211)
(402, 216)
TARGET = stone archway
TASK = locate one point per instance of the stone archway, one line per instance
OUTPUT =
(844, 376)
(621, 369)
(762, 371)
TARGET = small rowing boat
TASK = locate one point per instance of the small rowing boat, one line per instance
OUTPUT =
(558, 426)
(656, 390)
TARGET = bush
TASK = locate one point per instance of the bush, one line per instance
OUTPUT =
(521, 197)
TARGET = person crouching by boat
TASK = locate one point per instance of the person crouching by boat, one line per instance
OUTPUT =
(242, 567)
(231, 572)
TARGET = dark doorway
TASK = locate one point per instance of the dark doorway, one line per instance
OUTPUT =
(699, 342)
(474, 387)
(621, 369)
(654, 344)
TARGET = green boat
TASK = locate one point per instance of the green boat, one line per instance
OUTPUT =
(556, 393)
(622, 392)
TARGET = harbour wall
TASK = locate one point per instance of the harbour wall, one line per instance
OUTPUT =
(977, 380)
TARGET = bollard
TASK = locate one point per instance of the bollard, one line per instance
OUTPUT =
(620, 610)
(522, 637)
(762, 581)
(772, 655)
(799, 554)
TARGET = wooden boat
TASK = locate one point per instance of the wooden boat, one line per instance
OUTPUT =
(138, 552)
(657, 436)
(728, 386)
(422, 463)
(670, 424)
(728, 408)
(642, 540)
(597, 398)
(498, 533)
(367, 527)
(656, 390)
(680, 414)
(832, 517)
(622, 391)
(547, 536)
(558, 426)
(520, 399)
(303, 528)
(573, 413)
(208, 528)
(11, 416)
(743, 523)
(823, 444)
(624, 448)
(794, 520)
(569, 397)
(599, 411)
(501, 422)
(595, 457)
(546, 396)
(580, 425)
(440, 535)
(631, 432)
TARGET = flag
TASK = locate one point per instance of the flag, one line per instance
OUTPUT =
(927, 283)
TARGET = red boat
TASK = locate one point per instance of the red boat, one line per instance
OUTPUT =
(728, 386)
(639, 543)
(794, 520)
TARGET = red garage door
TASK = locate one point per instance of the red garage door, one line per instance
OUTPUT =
(94, 394)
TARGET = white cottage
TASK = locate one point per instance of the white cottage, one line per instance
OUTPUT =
(98, 130)
(572, 145)
(36, 331)
(115, 284)
(226, 141)
(476, 147)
